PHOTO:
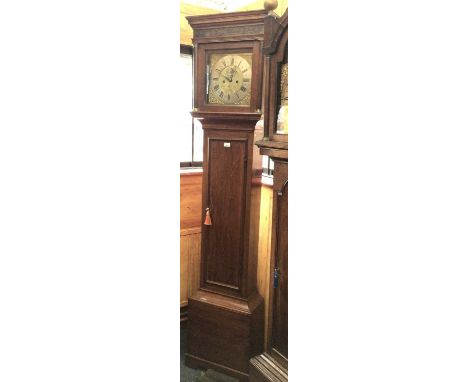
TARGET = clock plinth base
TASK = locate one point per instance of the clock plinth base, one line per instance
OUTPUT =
(224, 332)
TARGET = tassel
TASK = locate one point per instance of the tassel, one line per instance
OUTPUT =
(208, 217)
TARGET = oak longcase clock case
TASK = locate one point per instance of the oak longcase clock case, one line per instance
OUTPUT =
(226, 314)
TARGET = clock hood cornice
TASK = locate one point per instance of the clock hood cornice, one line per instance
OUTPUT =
(235, 26)
(224, 19)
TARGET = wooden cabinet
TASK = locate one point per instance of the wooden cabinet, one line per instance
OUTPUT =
(226, 314)
(272, 364)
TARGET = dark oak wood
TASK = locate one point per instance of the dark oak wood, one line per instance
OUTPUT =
(228, 33)
(275, 54)
(231, 176)
(224, 332)
(228, 297)
(272, 364)
(224, 244)
(277, 326)
(277, 340)
(226, 315)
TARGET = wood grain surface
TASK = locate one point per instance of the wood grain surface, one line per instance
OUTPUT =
(190, 200)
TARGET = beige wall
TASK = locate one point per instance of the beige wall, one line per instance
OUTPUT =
(186, 32)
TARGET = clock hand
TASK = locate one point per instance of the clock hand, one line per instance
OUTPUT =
(230, 80)
(233, 72)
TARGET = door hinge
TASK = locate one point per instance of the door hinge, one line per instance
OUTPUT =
(276, 274)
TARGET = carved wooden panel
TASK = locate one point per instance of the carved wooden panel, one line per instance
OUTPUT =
(230, 31)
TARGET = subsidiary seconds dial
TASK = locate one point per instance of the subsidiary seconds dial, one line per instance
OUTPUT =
(230, 80)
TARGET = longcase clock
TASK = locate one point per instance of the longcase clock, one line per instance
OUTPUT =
(272, 364)
(226, 314)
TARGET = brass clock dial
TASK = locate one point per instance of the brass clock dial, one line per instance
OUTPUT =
(230, 79)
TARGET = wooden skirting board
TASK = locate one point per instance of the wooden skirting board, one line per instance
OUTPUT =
(190, 239)
(183, 312)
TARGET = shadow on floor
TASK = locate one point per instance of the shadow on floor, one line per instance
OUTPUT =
(187, 374)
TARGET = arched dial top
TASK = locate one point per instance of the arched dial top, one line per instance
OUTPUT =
(230, 79)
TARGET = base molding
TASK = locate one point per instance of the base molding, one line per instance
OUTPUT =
(183, 313)
(264, 368)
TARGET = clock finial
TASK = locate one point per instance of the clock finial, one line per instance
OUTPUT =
(270, 5)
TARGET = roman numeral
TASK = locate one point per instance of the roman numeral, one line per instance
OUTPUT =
(221, 95)
(244, 70)
(232, 61)
(229, 97)
(243, 88)
(215, 79)
(216, 87)
(246, 80)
